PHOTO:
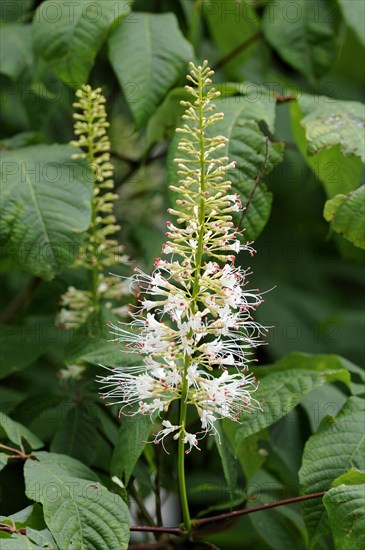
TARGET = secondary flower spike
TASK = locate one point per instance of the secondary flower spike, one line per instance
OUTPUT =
(193, 327)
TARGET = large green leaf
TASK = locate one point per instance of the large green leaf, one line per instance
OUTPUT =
(79, 513)
(345, 507)
(77, 436)
(329, 122)
(284, 385)
(338, 173)
(46, 207)
(247, 146)
(148, 57)
(329, 453)
(354, 14)
(304, 33)
(133, 434)
(70, 34)
(346, 213)
(69, 465)
(16, 56)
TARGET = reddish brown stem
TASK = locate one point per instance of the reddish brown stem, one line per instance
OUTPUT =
(228, 515)
(10, 529)
(235, 513)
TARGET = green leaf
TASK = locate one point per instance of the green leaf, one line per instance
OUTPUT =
(164, 120)
(16, 433)
(353, 12)
(69, 465)
(329, 122)
(91, 344)
(246, 146)
(250, 454)
(336, 447)
(148, 57)
(228, 459)
(42, 538)
(79, 513)
(14, 10)
(78, 433)
(280, 527)
(345, 507)
(352, 477)
(18, 542)
(133, 434)
(20, 346)
(70, 34)
(231, 23)
(285, 384)
(338, 173)
(3, 460)
(304, 33)
(46, 202)
(16, 55)
(346, 213)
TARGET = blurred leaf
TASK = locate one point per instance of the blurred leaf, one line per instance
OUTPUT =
(277, 530)
(42, 223)
(19, 348)
(16, 433)
(148, 57)
(93, 343)
(353, 12)
(232, 23)
(228, 459)
(78, 512)
(14, 10)
(329, 122)
(304, 34)
(16, 55)
(18, 542)
(43, 538)
(164, 120)
(285, 384)
(251, 454)
(346, 214)
(3, 460)
(321, 402)
(338, 173)
(70, 34)
(330, 452)
(345, 507)
(20, 140)
(132, 438)
(77, 436)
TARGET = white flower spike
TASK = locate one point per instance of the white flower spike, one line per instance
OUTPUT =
(194, 326)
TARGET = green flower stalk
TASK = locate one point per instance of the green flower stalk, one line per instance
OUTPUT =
(193, 325)
(99, 251)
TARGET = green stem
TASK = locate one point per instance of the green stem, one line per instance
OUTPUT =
(198, 263)
(181, 449)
